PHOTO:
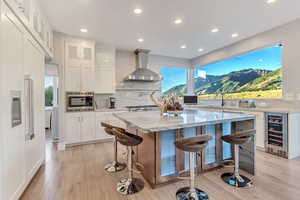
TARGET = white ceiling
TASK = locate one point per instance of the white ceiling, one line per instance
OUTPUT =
(113, 21)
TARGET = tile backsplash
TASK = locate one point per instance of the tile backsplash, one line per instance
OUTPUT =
(129, 94)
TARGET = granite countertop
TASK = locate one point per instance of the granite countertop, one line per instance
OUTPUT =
(257, 109)
(152, 121)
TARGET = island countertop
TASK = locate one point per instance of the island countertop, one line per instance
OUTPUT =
(152, 121)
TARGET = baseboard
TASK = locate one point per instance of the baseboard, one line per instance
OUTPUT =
(90, 142)
(28, 179)
(260, 149)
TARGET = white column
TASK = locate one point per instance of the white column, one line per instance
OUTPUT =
(190, 81)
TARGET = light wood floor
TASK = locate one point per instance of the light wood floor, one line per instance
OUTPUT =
(77, 174)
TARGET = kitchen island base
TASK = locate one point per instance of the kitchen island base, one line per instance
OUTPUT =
(163, 162)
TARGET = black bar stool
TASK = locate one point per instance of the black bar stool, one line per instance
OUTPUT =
(235, 179)
(129, 185)
(192, 145)
(115, 166)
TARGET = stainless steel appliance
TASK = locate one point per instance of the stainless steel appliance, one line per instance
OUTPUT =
(142, 72)
(190, 100)
(276, 141)
(16, 112)
(80, 101)
(112, 102)
(29, 108)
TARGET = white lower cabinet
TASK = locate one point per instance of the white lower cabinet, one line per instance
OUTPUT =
(84, 127)
(87, 128)
(80, 127)
(72, 127)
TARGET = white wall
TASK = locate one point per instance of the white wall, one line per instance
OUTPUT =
(288, 34)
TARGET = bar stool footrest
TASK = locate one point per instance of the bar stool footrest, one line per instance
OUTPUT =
(115, 167)
(187, 193)
(240, 182)
(130, 186)
(228, 163)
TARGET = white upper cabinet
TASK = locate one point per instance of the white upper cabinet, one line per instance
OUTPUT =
(105, 78)
(35, 21)
(80, 66)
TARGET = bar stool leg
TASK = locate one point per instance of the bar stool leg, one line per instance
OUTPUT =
(115, 166)
(235, 179)
(130, 185)
(191, 193)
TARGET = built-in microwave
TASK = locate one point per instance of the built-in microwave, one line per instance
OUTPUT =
(80, 101)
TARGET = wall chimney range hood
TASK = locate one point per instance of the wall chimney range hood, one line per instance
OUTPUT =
(142, 73)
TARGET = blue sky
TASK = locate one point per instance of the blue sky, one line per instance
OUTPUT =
(268, 58)
(172, 77)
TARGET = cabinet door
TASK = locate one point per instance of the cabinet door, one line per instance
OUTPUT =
(12, 139)
(87, 78)
(35, 147)
(73, 78)
(105, 80)
(73, 57)
(100, 132)
(87, 50)
(87, 132)
(73, 121)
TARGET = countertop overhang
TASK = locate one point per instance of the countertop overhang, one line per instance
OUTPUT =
(152, 121)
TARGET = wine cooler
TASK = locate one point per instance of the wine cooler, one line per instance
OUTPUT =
(277, 134)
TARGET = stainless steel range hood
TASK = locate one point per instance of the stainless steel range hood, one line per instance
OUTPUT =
(142, 73)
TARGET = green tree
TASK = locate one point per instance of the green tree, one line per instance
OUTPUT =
(49, 96)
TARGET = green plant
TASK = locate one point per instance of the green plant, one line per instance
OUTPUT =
(49, 96)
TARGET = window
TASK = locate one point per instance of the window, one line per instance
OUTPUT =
(251, 76)
(174, 81)
(48, 91)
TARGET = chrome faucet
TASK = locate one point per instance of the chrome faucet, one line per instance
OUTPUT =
(222, 98)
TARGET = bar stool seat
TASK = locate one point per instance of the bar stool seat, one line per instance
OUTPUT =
(115, 166)
(129, 185)
(235, 179)
(192, 145)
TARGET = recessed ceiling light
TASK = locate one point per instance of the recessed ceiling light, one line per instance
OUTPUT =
(200, 50)
(178, 21)
(183, 46)
(83, 30)
(140, 40)
(271, 1)
(235, 35)
(138, 11)
(215, 30)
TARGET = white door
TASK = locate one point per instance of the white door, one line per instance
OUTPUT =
(73, 78)
(87, 132)
(73, 121)
(73, 51)
(12, 77)
(87, 78)
(34, 67)
(87, 54)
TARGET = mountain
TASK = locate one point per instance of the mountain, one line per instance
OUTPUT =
(178, 90)
(237, 81)
(269, 81)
